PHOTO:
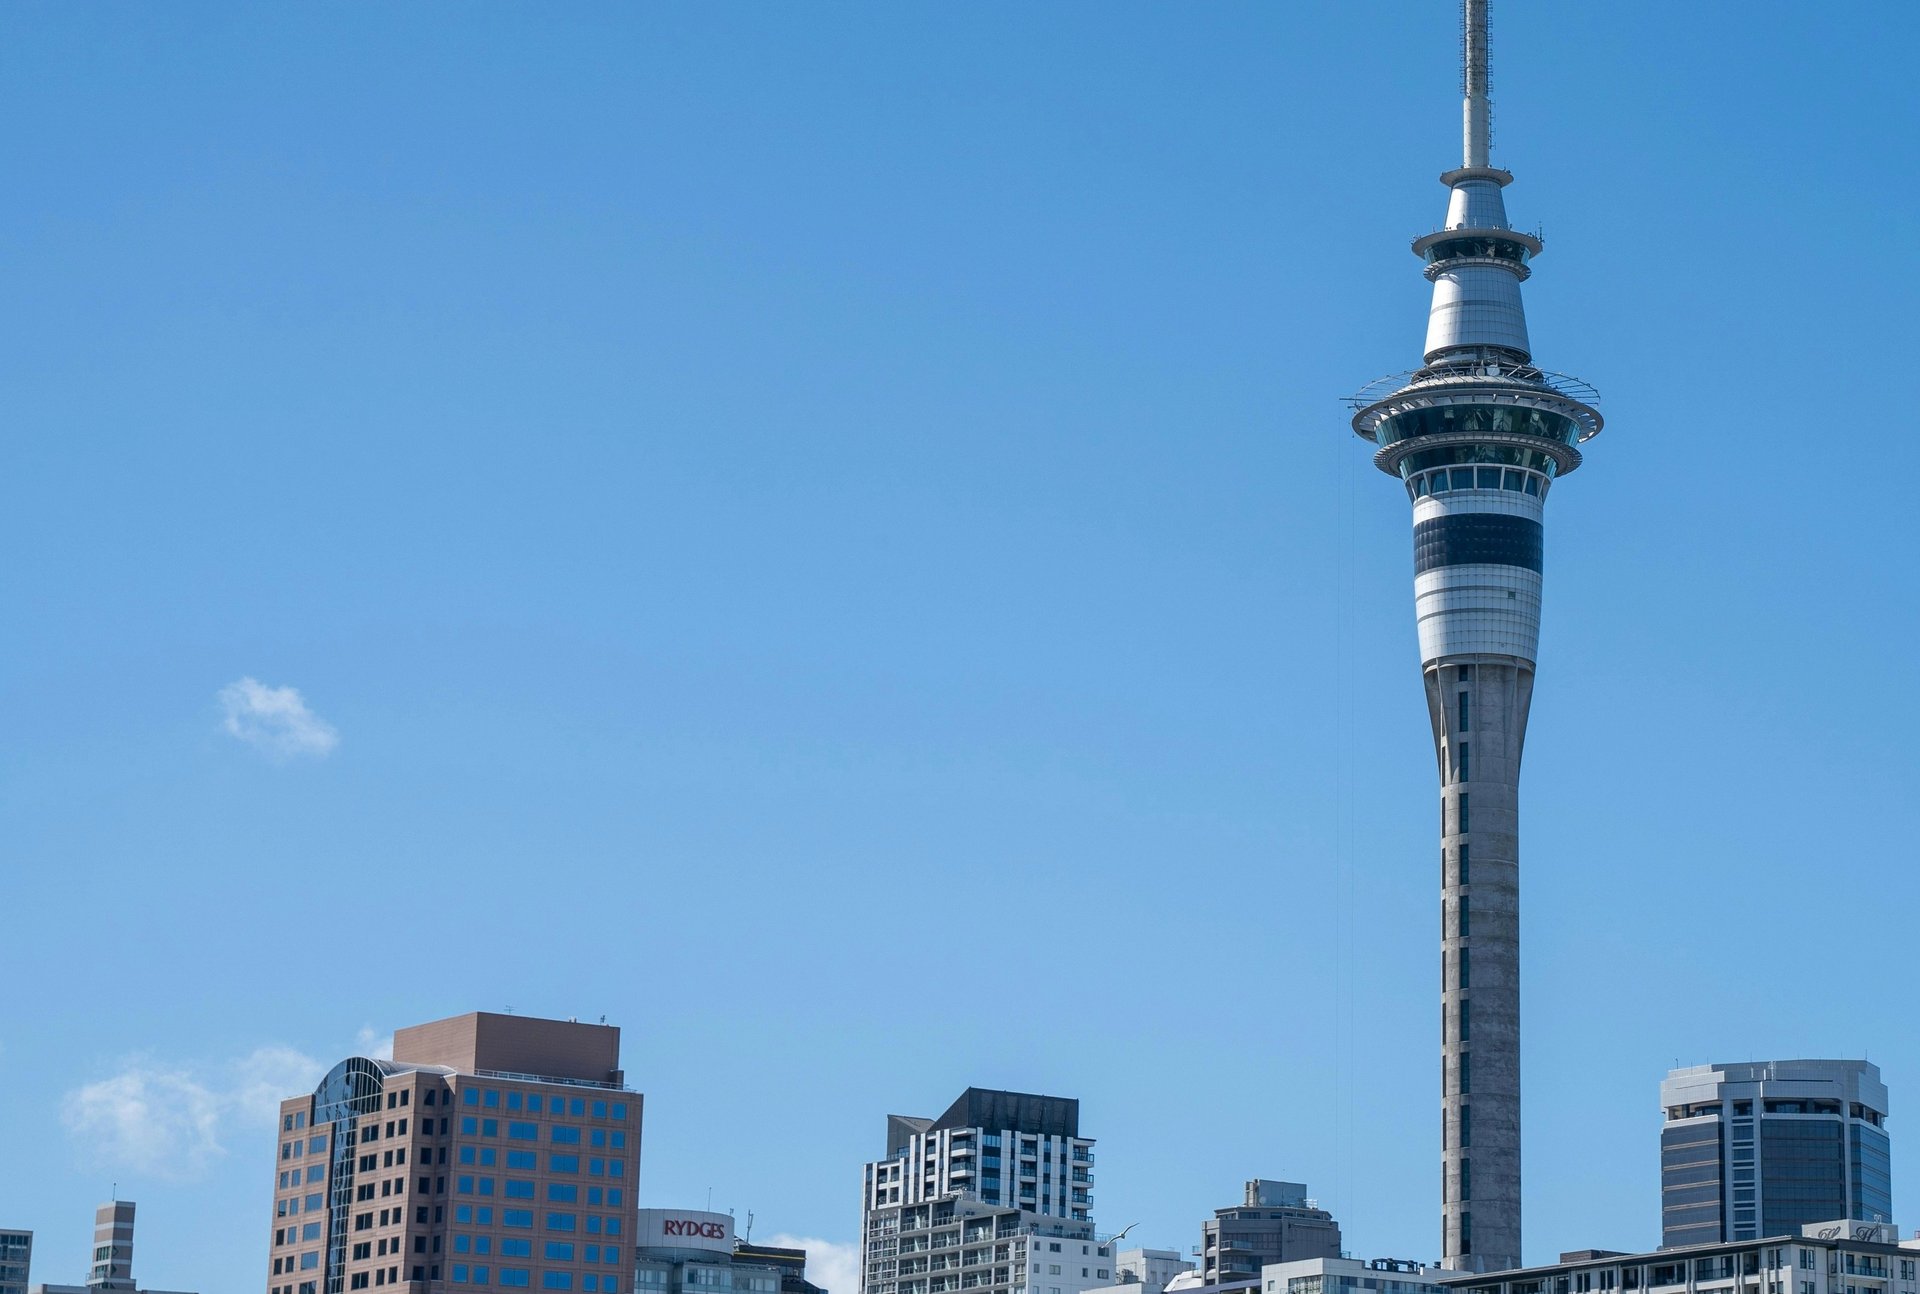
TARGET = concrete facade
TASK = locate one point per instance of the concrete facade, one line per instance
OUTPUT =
(1349, 1276)
(1479, 436)
(16, 1260)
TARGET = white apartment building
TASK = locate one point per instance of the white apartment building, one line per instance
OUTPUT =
(994, 1196)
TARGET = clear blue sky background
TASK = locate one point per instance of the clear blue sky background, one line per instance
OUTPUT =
(828, 535)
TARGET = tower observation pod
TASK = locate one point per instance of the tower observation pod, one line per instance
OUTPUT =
(1479, 437)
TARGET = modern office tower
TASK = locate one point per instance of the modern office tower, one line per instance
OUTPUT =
(16, 1260)
(994, 1195)
(1478, 435)
(1835, 1257)
(110, 1261)
(492, 1150)
(791, 1264)
(1275, 1222)
(1766, 1147)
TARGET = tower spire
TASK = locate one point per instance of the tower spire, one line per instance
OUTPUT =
(1478, 436)
(1476, 109)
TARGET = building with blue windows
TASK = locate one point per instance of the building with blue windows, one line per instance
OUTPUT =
(1768, 1147)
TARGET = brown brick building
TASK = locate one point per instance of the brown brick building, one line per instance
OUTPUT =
(492, 1151)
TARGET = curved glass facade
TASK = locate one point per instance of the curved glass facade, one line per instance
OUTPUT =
(1504, 249)
(1441, 419)
(1505, 455)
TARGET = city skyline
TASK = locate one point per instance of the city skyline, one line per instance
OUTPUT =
(807, 470)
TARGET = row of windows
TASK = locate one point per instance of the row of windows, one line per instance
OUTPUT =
(521, 1189)
(560, 1134)
(513, 1247)
(537, 1103)
(1452, 419)
(1476, 478)
(521, 1277)
(488, 1157)
(594, 1225)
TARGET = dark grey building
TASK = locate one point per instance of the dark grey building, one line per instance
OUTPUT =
(16, 1256)
(1275, 1223)
(1767, 1147)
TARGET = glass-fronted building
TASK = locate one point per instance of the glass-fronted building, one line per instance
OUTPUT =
(1766, 1147)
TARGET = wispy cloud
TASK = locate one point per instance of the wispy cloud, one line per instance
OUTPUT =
(275, 720)
(172, 1121)
(830, 1264)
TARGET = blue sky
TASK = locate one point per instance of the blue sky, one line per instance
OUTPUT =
(826, 534)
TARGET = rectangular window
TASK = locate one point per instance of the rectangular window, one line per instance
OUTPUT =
(527, 1159)
(568, 1222)
(518, 1189)
(1466, 1180)
(523, 1131)
(1466, 1072)
(562, 1193)
(559, 1251)
(556, 1280)
(1466, 1019)
(515, 1276)
(1466, 767)
(1466, 873)
(1466, 969)
(516, 1217)
(1464, 827)
(511, 1248)
(564, 1135)
(563, 1163)
(1464, 714)
(1466, 1126)
(1466, 1233)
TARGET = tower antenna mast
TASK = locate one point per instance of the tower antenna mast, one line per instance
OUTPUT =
(1476, 108)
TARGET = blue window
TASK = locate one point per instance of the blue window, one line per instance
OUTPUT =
(560, 1221)
(483, 1216)
(511, 1248)
(559, 1193)
(488, 1156)
(563, 1163)
(492, 1099)
(613, 1256)
(620, 1111)
(592, 1254)
(466, 1154)
(613, 1226)
(614, 1194)
(597, 1137)
(616, 1168)
(556, 1280)
(463, 1186)
(316, 1172)
(489, 1127)
(481, 1275)
(471, 1096)
(513, 1100)
(523, 1159)
(593, 1195)
(309, 1260)
(516, 1217)
(565, 1135)
(559, 1251)
(598, 1167)
(311, 1231)
(463, 1213)
(576, 1107)
(483, 1245)
(462, 1243)
(459, 1273)
(313, 1202)
(519, 1189)
(524, 1131)
(590, 1283)
(515, 1276)
(599, 1109)
(619, 1140)
(469, 1126)
(593, 1224)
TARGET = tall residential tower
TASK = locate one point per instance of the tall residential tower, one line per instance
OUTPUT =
(1478, 435)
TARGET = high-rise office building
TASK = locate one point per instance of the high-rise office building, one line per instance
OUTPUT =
(1275, 1222)
(16, 1260)
(1479, 436)
(110, 1261)
(995, 1195)
(492, 1150)
(1766, 1147)
(687, 1251)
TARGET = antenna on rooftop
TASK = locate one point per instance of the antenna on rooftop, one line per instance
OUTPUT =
(1477, 108)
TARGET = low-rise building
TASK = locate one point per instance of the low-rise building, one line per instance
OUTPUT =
(16, 1260)
(1275, 1222)
(110, 1262)
(1349, 1276)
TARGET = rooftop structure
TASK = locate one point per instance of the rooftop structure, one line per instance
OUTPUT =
(1275, 1222)
(1478, 436)
(110, 1261)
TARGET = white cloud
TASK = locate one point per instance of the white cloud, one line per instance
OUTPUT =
(275, 720)
(370, 1042)
(172, 1121)
(832, 1265)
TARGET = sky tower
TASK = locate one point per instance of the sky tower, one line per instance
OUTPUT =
(1479, 436)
